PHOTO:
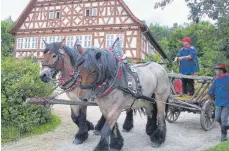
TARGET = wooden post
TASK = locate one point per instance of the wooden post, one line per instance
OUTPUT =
(44, 101)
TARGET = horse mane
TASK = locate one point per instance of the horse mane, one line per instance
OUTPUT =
(103, 62)
(72, 53)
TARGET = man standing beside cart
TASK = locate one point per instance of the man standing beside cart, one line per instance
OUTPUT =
(220, 91)
(188, 64)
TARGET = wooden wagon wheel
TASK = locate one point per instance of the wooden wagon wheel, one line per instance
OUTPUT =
(172, 114)
(207, 116)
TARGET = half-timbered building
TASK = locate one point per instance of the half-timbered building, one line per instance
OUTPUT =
(96, 23)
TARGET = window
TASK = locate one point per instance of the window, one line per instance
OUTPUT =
(51, 15)
(20, 43)
(42, 44)
(84, 40)
(34, 42)
(110, 39)
(70, 41)
(94, 12)
(87, 12)
(87, 41)
(27, 44)
(57, 14)
(51, 39)
(59, 38)
(80, 38)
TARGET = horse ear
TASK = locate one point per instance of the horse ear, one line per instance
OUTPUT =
(76, 43)
(62, 42)
(115, 42)
(78, 47)
(98, 55)
(46, 44)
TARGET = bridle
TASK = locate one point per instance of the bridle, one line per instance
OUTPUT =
(87, 86)
(107, 84)
(54, 65)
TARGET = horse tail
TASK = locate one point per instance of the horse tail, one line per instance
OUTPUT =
(166, 108)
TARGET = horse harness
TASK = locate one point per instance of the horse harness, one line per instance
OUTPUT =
(66, 83)
(126, 86)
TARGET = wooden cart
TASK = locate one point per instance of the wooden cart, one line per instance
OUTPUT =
(197, 103)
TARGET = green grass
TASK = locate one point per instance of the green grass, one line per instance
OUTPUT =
(221, 147)
(13, 133)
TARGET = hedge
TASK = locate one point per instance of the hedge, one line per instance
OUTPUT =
(20, 80)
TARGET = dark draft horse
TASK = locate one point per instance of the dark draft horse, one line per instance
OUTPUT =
(96, 67)
(61, 58)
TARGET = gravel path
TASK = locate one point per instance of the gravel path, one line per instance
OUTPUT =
(185, 134)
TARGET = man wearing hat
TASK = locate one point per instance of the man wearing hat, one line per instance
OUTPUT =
(188, 64)
(220, 91)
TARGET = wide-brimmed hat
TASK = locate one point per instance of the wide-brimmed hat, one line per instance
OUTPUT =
(221, 66)
(186, 39)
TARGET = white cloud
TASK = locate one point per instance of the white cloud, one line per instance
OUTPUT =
(175, 12)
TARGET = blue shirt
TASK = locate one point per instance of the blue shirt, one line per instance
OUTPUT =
(220, 89)
(188, 66)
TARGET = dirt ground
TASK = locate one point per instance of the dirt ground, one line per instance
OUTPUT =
(185, 134)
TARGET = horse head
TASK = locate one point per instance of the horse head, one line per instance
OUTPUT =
(95, 67)
(57, 58)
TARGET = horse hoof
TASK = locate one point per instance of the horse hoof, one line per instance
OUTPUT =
(112, 149)
(156, 145)
(77, 141)
(97, 132)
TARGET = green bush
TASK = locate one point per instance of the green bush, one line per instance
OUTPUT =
(20, 80)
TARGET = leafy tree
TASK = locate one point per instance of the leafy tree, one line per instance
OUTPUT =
(7, 46)
(203, 38)
(217, 10)
(214, 9)
(159, 32)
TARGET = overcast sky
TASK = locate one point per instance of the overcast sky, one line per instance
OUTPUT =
(177, 12)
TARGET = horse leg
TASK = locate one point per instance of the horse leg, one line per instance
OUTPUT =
(151, 125)
(99, 125)
(111, 119)
(128, 123)
(78, 115)
(158, 136)
(116, 142)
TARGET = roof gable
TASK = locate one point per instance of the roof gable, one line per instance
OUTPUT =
(31, 5)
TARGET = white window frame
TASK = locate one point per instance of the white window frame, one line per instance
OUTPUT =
(94, 12)
(34, 42)
(42, 44)
(51, 15)
(84, 40)
(87, 41)
(87, 9)
(70, 41)
(56, 14)
(20, 43)
(59, 38)
(110, 39)
(27, 44)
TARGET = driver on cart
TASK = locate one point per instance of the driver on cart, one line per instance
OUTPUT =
(188, 65)
(220, 91)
